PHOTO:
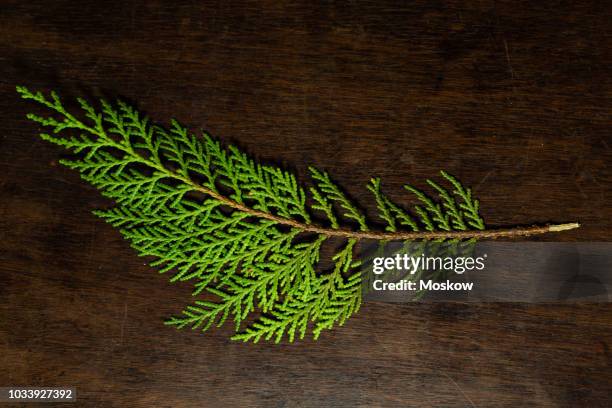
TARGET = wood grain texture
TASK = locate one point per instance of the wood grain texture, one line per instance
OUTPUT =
(512, 97)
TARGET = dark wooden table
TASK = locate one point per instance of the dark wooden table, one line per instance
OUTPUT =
(514, 98)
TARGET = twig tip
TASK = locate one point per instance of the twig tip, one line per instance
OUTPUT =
(564, 227)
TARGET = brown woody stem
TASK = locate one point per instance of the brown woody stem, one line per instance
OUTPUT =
(387, 236)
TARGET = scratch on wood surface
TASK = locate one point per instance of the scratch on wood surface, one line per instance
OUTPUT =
(508, 59)
(123, 323)
(486, 176)
(468, 399)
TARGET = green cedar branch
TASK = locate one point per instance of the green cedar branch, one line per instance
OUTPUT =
(227, 239)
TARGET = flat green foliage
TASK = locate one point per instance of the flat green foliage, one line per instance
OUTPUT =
(172, 190)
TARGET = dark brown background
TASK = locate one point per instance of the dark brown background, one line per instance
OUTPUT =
(513, 97)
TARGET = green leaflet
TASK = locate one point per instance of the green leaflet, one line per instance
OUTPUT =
(243, 234)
